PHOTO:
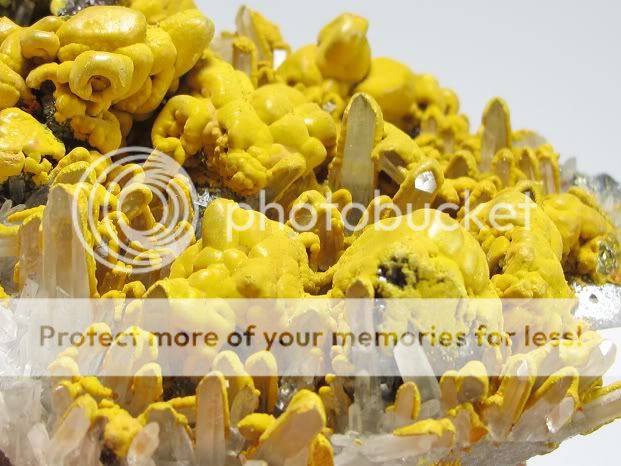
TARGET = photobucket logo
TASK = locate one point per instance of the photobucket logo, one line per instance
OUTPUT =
(140, 210)
(307, 217)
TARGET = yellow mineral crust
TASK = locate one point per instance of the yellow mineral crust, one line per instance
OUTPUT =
(421, 255)
(253, 426)
(329, 241)
(12, 87)
(343, 51)
(419, 258)
(109, 58)
(120, 430)
(23, 48)
(300, 69)
(393, 86)
(118, 201)
(6, 27)
(25, 145)
(179, 129)
(158, 10)
(255, 47)
(340, 65)
(217, 80)
(267, 142)
(301, 72)
(586, 233)
(244, 254)
(295, 429)
(523, 246)
(434, 427)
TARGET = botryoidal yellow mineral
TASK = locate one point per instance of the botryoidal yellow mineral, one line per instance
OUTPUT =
(326, 125)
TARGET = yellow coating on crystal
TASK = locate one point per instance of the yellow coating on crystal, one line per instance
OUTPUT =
(434, 427)
(478, 429)
(287, 432)
(163, 406)
(120, 429)
(237, 378)
(469, 384)
(267, 36)
(328, 228)
(321, 452)
(505, 406)
(343, 51)
(3, 294)
(599, 392)
(561, 384)
(264, 363)
(87, 403)
(407, 401)
(253, 426)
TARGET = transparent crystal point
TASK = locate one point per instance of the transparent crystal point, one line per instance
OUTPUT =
(69, 436)
(143, 446)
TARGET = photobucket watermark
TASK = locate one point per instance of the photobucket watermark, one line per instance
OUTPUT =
(140, 210)
(309, 217)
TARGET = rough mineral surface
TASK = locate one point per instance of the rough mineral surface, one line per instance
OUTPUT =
(250, 120)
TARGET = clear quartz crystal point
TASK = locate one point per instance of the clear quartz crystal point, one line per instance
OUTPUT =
(89, 451)
(8, 327)
(413, 360)
(289, 386)
(367, 411)
(174, 443)
(211, 420)
(143, 446)
(357, 170)
(69, 436)
(65, 259)
(39, 440)
(496, 131)
(5, 424)
(21, 411)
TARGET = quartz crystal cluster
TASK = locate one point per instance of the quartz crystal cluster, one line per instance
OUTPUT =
(325, 125)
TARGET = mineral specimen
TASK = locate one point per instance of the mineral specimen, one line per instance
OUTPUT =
(313, 133)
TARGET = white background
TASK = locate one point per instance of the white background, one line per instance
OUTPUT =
(557, 63)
